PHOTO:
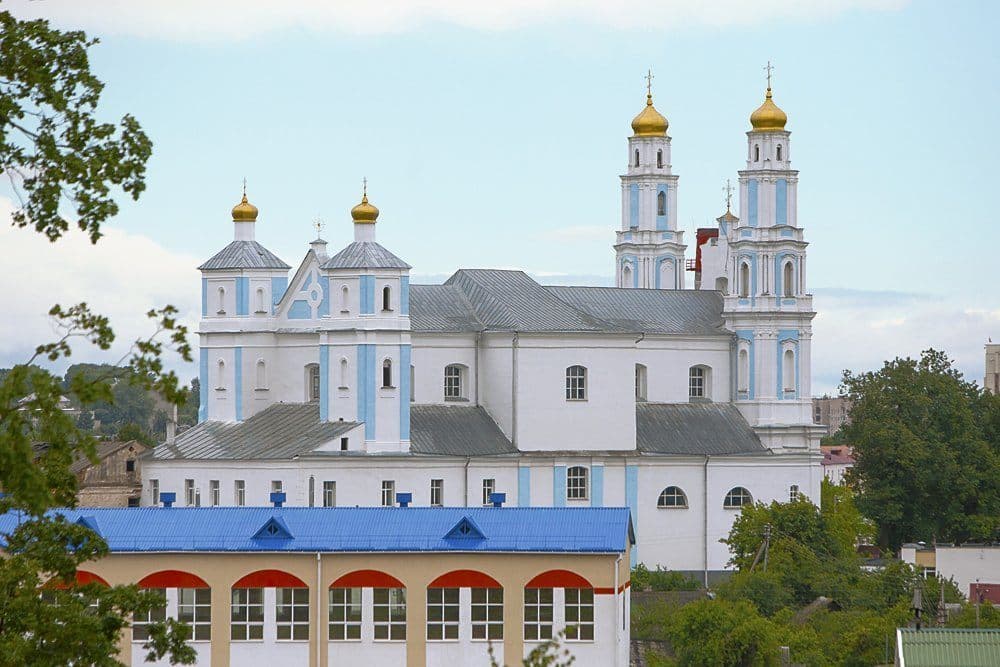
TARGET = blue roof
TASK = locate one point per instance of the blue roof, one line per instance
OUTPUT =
(356, 529)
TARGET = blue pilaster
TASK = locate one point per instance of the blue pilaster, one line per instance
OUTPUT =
(596, 486)
(324, 382)
(242, 296)
(752, 202)
(781, 202)
(366, 388)
(238, 382)
(404, 295)
(524, 487)
(367, 295)
(632, 500)
(404, 392)
(633, 205)
(558, 486)
(202, 385)
(204, 297)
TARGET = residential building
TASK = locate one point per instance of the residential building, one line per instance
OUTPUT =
(991, 380)
(831, 411)
(975, 568)
(837, 460)
(115, 480)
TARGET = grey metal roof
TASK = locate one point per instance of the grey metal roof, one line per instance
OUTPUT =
(280, 431)
(365, 255)
(456, 431)
(244, 255)
(694, 428)
(649, 310)
(497, 300)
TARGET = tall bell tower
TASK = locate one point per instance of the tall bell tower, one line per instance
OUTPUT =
(649, 250)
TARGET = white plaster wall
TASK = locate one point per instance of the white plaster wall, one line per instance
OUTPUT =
(967, 564)
(430, 356)
(229, 300)
(495, 383)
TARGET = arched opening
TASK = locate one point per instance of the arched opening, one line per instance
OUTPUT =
(744, 279)
(220, 380)
(261, 300)
(388, 606)
(345, 299)
(343, 373)
(576, 383)
(793, 493)
(578, 606)
(640, 382)
(261, 374)
(221, 301)
(312, 382)
(661, 203)
(577, 483)
(386, 298)
(788, 369)
(743, 379)
(659, 158)
(778, 152)
(387, 374)
(788, 279)
(737, 498)
(291, 612)
(637, 157)
(699, 382)
(756, 153)
(626, 276)
(672, 497)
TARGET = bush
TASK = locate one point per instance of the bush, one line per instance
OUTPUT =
(661, 580)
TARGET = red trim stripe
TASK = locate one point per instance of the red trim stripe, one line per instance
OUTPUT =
(82, 579)
(270, 579)
(366, 579)
(464, 579)
(559, 579)
(172, 579)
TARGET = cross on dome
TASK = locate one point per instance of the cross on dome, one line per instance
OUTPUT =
(649, 81)
(769, 68)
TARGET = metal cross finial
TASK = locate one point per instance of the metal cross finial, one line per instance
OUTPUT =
(318, 226)
(364, 186)
(649, 81)
(728, 189)
(244, 186)
(769, 67)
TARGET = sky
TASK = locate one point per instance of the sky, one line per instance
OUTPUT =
(492, 135)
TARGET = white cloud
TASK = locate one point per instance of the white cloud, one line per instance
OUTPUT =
(217, 20)
(122, 277)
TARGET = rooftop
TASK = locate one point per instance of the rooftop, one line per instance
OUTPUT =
(948, 647)
(244, 255)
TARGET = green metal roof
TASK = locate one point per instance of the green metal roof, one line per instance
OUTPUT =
(945, 647)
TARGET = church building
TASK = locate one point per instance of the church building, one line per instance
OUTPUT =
(341, 384)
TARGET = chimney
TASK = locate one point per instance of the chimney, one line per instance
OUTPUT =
(172, 427)
(278, 498)
(498, 499)
(404, 499)
(168, 498)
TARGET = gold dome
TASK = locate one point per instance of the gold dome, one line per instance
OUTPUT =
(650, 122)
(244, 211)
(768, 117)
(364, 212)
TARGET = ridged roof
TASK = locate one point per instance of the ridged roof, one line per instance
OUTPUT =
(453, 430)
(497, 300)
(354, 529)
(694, 428)
(244, 255)
(949, 647)
(365, 255)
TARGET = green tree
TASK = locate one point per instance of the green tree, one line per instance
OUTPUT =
(723, 633)
(926, 449)
(53, 149)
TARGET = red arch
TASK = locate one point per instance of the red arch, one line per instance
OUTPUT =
(270, 579)
(464, 579)
(82, 579)
(367, 578)
(172, 579)
(558, 579)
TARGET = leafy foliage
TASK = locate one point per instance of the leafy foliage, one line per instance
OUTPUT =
(546, 654)
(661, 580)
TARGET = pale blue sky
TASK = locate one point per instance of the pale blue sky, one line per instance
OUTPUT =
(502, 147)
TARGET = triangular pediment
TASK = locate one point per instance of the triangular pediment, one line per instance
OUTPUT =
(308, 294)
(465, 529)
(89, 522)
(274, 529)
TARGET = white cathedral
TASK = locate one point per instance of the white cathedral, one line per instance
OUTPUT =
(344, 384)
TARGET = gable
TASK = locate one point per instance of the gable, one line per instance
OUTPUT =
(465, 529)
(308, 294)
(274, 529)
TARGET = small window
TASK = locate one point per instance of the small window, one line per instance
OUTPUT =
(154, 492)
(194, 609)
(312, 382)
(261, 300)
(386, 298)
(240, 493)
(737, 498)
(661, 203)
(142, 621)
(387, 374)
(189, 492)
(779, 152)
(312, 491)
(214, 497)
(672, 496)
(576, 483)
(130, 465)
(576, 383)
(221, 301)
(489, 486)
(442, 613)
(659, 159)
(389, 613)
(220, 384)
(788, 369)
(413, 386)
(343, 373)
(697, 382)
(247, 622)
(453, 384)
(261, 374)
(345, 299)
(344, 442)
(388, 493)
(744, 279)
(637, 157)
(579, 614)
(487, 613)
(538, 614)
(793, 493)
(788, 279)
(756, 153)
(640, 382)
(329, 494)
(292, 614)
(743, 381)
(626, 276)
(276, 486)
(437, 493)
(345, 614)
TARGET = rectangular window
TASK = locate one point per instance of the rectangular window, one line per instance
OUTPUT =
(453, 382)
(329, 494)
(314, 382)
(576, 483)
(154, 492)
(247, 614)
(537, 614)
(130, 465)
(487, 613)
(345, 614)
(437, 492)
(213, 492)
(344, 442)
(194, 608)
(292, 613)
(696, 382)
(189, 492)
(240, 493)
(489, 486)
(388, 493)
(140, 622)
(576, 383)
(276, 486)
(442, 613)
(389, 613)
(579, 614)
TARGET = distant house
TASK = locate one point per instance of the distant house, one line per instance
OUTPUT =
(115, 480)
(837, 460)
(975, 568)
(831, 411)
(65, 404)
(947, 647)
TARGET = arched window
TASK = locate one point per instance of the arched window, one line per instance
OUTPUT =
(454, 382)
(744, 279)
(659, 158)
(261, 374)
(222, 301)
(640, 382)
(626, 276)
(672, 496)
(576, 383)
(737, 498)
(387, 374)
(637, 157)
(577, 487)
(744, 370)
(220, 382)
(698, 382)
(312, 382)
(779, 152)
(388, 606)
(756, 153)
(343, 373)
(261, 300)
(386, 298)
(788, 369)
(793, 493)
(661, 203)
(345, 299)
(539, 606)
(788, 279)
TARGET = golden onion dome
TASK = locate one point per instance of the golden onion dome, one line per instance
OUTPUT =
(768, 117)
(244, 211)
(650, 122)
(364, 212)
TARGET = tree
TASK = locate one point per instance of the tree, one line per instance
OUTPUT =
(723, 633)
(927, 450)
(52, 148)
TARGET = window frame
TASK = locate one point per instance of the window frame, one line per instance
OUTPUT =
(437, 489)
(140, 632)
(661, 203)
(698, 382)
(490, 609)
(535, 610)
(443, 613)
(154, 491)
(200, 600)
(741, 492)
(252, 628)
(189, 495)
(295, 625)
(344, 614)
(214, 493)
(313, 383)
(678, 492)
(240, 492)
(577, 485)
(641, 383)
(329, 493)
(576, 383)
(394, 624)
(387, 374)
(579, 631)
(454, 382)
(389, 486)
(489, 488)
